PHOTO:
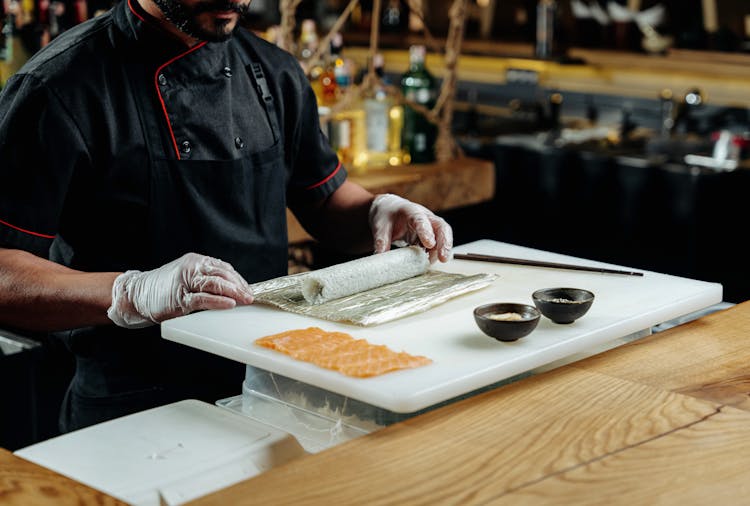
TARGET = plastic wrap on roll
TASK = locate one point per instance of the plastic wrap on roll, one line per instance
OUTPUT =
(364, 274)
(372, 306)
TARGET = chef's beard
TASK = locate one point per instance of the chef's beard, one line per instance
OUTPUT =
(185, 18)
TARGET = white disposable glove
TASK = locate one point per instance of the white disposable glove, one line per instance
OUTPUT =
(395, 219)
(191, 283)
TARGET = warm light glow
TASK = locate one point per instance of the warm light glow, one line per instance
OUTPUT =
(360, 160)
(483, 3)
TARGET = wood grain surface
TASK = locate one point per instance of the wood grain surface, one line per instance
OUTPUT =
(708, 358)
(485, 448)
(23, 483)
(701, 463)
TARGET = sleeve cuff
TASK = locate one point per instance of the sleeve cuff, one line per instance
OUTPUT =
(325, 186)
(15, 238)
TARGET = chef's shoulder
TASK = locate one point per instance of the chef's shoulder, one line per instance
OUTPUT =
(75, 57)
(281, 67)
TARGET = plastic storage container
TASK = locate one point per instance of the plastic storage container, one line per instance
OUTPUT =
(318, 418)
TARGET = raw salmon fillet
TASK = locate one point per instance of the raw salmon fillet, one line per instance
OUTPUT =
(340, 352)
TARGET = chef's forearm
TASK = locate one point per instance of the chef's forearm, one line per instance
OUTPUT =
(39, 295)
(342, 219)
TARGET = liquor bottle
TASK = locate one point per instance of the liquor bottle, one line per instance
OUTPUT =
(80, 11)
(343, 68)
(546, 13)
(347, 131)
(745, 44)
(6, 37)
(55, 16)
(327, 89)
(307, 44)
(348, 135)
(418, 85)
(384, 121)
(395, 18)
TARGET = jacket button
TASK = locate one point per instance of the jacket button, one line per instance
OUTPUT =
(162, 80)
(227, 71)
(239, 143)
(186, 147)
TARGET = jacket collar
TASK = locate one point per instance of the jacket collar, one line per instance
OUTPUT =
(146, 36)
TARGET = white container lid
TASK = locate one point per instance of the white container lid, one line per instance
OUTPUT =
(167, 455)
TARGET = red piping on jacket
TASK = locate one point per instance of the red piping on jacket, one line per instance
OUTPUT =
(161, 99)
(330, 176)
(134, 12)
(156, 80)
(45, 236)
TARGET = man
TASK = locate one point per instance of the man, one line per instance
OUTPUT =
(136, 151)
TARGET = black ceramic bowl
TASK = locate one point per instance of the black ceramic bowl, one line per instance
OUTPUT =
(563, 305)
(506, 321)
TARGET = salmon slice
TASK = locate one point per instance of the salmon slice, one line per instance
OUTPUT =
(340, 352)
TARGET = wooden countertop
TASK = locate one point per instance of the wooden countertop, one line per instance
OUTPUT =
(437, 186)
(23, 483)
(663, 420)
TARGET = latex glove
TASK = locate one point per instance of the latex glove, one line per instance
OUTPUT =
(393, 219)
(191, 283)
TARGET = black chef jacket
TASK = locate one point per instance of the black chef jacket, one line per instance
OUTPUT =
(122, 149)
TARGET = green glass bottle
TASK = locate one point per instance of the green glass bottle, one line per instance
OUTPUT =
(419, 86)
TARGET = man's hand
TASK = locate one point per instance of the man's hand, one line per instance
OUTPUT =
(393, 218)
(191, 283)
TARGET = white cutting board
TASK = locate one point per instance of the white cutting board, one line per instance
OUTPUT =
(464, 359)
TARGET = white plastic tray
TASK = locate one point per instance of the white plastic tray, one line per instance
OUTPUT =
(167, 455)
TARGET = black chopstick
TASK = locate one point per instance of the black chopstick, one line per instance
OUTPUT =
(537, 263)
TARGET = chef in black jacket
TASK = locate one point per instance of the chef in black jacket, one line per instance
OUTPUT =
(147, 158)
